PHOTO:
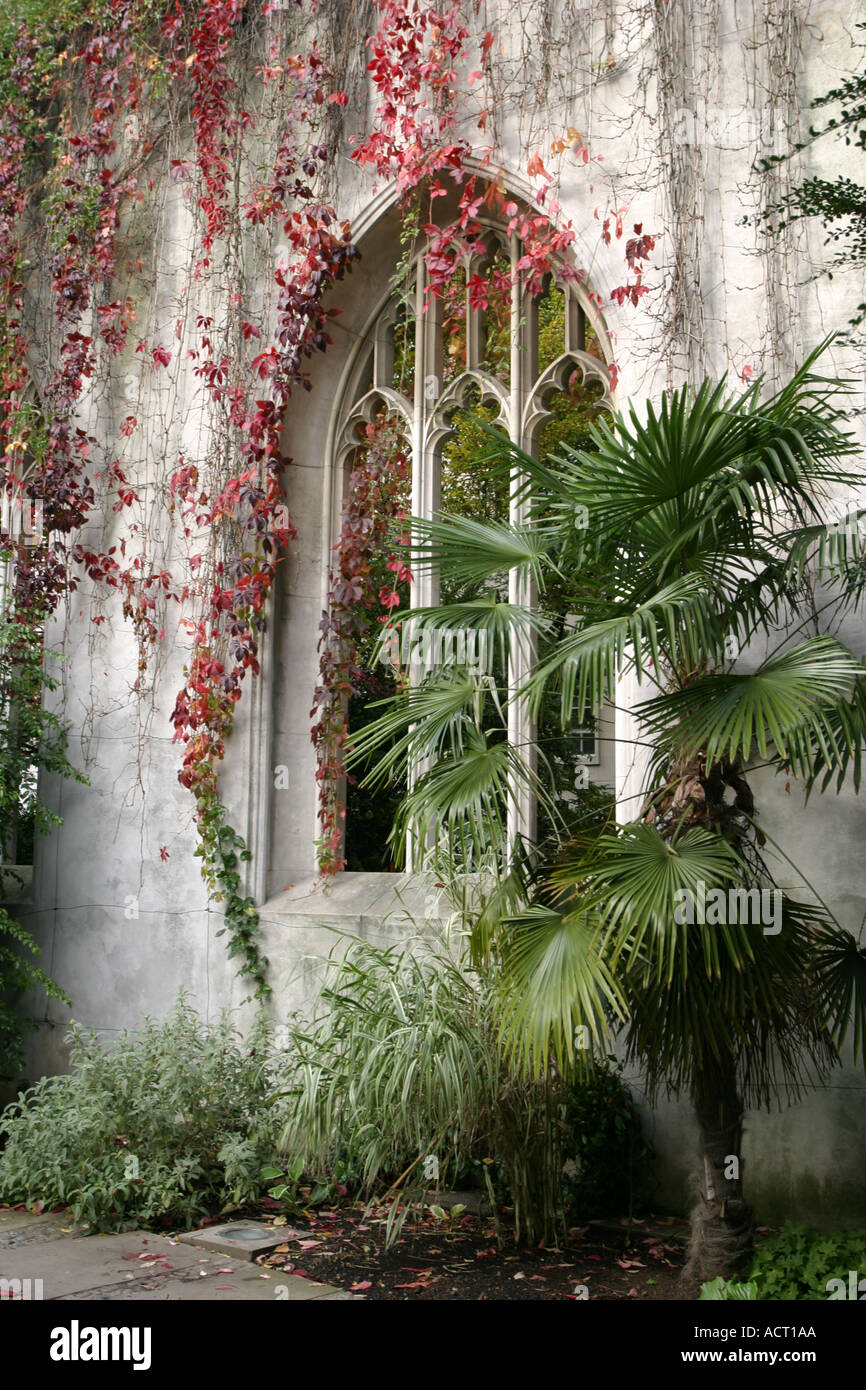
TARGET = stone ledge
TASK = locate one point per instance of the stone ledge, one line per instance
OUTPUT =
(350, 897)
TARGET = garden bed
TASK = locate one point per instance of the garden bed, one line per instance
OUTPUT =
(462, 1259)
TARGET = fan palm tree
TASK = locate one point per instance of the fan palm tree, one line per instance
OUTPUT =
(669, 544)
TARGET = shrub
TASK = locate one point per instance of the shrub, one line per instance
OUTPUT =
(31, 737)
(798, 1263)
(400, 1077)
(19, 973)
(165, 1127)
(607, 1160)
(721, 1290)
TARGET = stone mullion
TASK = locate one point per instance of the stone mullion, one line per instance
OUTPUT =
(426, 480)
(522, 731)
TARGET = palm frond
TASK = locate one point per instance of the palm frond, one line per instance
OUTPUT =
(727, 714)
(841, 971)
(586, 663)
(765, 1013)
(555, 981)
(423, 630)
(462, 800)
(641, 886)
(429, 719)
(472, 552)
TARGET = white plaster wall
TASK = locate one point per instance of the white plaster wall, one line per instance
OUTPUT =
(118, 966)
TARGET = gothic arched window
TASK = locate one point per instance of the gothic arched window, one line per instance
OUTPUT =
(437, 367)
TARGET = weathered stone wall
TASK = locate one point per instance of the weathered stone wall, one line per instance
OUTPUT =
(677, 100)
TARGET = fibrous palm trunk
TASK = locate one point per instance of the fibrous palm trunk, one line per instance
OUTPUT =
(722, 1225)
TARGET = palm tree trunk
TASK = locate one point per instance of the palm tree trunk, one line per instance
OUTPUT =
(722, 1225)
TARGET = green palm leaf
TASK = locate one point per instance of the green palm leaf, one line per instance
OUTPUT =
(555, 981)
(637, 883)
(430, 719)
(464, 797)
(841, 969)
(728, 714)
(587, 663)
(471, 552)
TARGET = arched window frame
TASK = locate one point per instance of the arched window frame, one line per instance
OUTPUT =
(522, 411)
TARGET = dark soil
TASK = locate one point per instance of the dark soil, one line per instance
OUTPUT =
(462, 1259)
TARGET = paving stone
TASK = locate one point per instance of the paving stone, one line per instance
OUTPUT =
(19, 1228)
(244, 1285)
(140, 1266)
(70, 1265)
(243, 1240)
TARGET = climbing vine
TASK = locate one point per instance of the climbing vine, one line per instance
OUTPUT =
(227, 109)
(373, 505)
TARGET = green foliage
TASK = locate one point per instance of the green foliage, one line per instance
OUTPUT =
(675, 510)
(721, 1290)
(797, 1263)
(656, 551)
(18, 974)
(167, 1126)
(575, 409)
(31, 737)
(401, 1065)
(839, 203)
(466, 489)
(370, 813)
(48, 24)
(223, 851)
(287, 1186)
(607, 1160)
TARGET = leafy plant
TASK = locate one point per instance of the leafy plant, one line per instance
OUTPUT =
(31, 737)
(797, 1263)
(721, 1290)
(401, 1065)
(19, 974)
(673, 542)
(840, 203)
(167, 1126)
(607, 1159)
(288, 1190)
(285, 1181)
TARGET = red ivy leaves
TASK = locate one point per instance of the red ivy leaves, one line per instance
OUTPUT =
(637, 250)
(370, 508)
(415, 56)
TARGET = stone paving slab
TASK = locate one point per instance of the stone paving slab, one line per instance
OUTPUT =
(245, 1285)
(23, 1227)
(228, 1238)
(141, 1266)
